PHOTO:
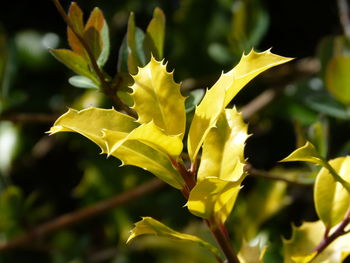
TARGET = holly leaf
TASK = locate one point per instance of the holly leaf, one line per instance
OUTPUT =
(331, 198)
(306, 153)
(223, 91)
(251, 254)
(75, 62)
(76, 18)
(223, 148)
(90, 123)
(213, 197)
(157, 98)
(150, 226)
(155, 33)
(299, 249)
(82, 82)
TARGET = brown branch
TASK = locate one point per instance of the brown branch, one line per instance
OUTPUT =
(75, 217)
(107, 89)
(29, 117)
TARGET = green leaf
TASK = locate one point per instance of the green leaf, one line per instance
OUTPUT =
(150, 226)
(251, 254)
(223, 91)
(82, 82)
(338, 79)
(90, 123)
(96, 34)
(154, 137)
(75, 62)
(223, 149)
(132, 152)
(76, 18)
(194, 97)
(135, 38)
(155, 34)
(306, 153)
(331, 198)
(299, 249)
(157, 97)
(213, 197)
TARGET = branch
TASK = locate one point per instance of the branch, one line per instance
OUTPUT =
(75, 217)
(107, 89)
(343, 10)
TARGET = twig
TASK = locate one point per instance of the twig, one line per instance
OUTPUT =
(75, 217)
(343, 10)
(108, 89)
(29, 117)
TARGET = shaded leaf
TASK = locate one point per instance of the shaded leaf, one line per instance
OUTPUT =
(213, 197)
(155, 34)
(331, 199)
(306, 153)
(251, 254)
(75, 62)
(132, 152)
(338, 79)
(223, 148)
(150, 226)
(76, 18)
(299, 248)
(91, 121)
(82, 82)
(157, 98)
(223, 91)
(194, 97)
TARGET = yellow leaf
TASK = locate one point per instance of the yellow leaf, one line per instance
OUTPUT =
(157, 97)
(306, 153)
(223, 91)
(331, 198)
(223, 148)
(251, 254)
(299, 249)
(151, 135)
(213, 197)
(133, 152)
(91, 121)
(151, 226)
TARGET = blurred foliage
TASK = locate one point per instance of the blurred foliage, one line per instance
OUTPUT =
(43, 177)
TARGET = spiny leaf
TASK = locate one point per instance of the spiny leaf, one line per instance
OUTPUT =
(132, 152)
(299, 249)
(91, 121)
(76, 18)
(96, 34)
(213, 197)
(154, 38)
(75, 62)
(331, 199)
(157, 97)
(223, 91)
(306, 153)
(151, 226)
(151, 135)
(223, 149)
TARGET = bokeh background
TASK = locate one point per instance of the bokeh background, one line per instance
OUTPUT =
(44, 177)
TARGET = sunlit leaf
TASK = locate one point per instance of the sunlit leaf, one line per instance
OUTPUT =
(75, 62)
(223, 91)
(150, 226)
(213, 197)
(154, 38)
(306, 153)
(338, 79)
(223, 148)
(135, 38)
(157, 97)
(90, 123)
(251, 254)
(331, 199)
(154, 137)
(132, 152)
(82, 82)
(299, 249)
(76, 18)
